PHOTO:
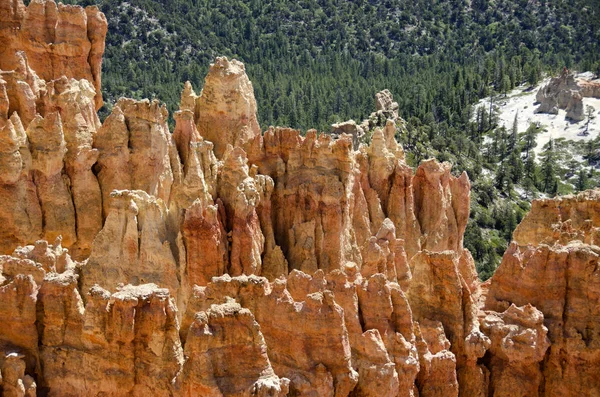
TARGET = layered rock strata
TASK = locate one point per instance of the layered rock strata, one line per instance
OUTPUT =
(222, 261)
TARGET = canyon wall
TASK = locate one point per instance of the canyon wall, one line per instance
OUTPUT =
(219, 260)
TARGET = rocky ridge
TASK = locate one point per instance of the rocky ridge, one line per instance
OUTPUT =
(221, 261)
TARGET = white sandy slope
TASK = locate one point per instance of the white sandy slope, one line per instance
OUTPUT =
(555, 126)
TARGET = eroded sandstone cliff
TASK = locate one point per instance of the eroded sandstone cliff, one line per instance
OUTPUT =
(222, 261)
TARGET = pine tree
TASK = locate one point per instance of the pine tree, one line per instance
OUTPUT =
(589, 112)
(530, 141)
(582, 180)
(505, 85)
(529, 187)
(514, 137)
(549, 184)
(516, 165)
(530, 168)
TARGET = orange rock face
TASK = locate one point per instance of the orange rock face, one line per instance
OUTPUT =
(225, 111)
(561, 281)
(562, 220)
(222, 261)
(58, 40)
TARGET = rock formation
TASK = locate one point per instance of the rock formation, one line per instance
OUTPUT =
(222, 261)
(58, 40)
(566, 92)
(557, 272)
(225, 111)
(561, 220)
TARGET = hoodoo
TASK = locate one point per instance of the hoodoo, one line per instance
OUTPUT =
(219, 260)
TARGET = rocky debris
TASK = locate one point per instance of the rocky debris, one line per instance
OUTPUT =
(350, 128)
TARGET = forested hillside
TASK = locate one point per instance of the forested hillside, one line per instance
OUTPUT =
(316, 62)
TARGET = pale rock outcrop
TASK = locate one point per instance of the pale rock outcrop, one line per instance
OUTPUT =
(575, 108)
(351, 128)
(225, 111)
(386, 114)
(566, 92)
(384, 101)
